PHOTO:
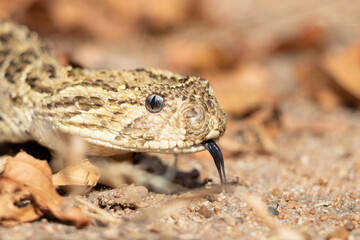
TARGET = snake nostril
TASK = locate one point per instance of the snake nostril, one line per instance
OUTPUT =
(193, 112)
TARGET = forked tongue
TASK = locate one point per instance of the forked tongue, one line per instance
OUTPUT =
(215, 152)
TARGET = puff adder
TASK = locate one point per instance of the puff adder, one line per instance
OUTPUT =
(142, 110)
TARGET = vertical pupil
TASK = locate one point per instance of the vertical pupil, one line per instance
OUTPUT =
(153, 101)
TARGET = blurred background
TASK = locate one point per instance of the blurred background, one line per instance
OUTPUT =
(263, 58)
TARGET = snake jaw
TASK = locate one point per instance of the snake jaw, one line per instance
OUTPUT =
(212, 134)
(215, 152)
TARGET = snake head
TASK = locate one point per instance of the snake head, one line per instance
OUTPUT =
(144, 110)
(175, 114)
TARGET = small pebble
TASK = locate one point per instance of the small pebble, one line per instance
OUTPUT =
(205, 212)
(273, 211)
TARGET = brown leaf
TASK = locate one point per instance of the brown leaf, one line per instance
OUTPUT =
(244, 89)
(10, 198)
(33, 177)
(198, 50)
(344, 68)
(311, 36)
(318, 84)
(160, 16)
(256, 133)
(10, 7)
(333, 80)
(106, 20)
(83, 173)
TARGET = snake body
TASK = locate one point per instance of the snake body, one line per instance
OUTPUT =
(106, 108)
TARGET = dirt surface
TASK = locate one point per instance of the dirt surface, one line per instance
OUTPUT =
(310, 184)
(292, 143)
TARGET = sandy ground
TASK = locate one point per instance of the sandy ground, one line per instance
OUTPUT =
(310, 185)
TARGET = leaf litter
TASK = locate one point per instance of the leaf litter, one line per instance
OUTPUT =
(28, 181)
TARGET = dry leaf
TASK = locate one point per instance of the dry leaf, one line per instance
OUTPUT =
(242, 90)
(311, 36)
(105, 20)
(33, 178)
(160, 16)
(333, 80)
(344, 68)
(198, 50)
(8, 8)
(83, 173)
(10, 199)
(318, 84)
(256, 133)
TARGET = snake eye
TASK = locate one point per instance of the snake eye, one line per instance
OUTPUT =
(154, 103)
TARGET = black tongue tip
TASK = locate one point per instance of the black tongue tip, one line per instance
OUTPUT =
(215, 152)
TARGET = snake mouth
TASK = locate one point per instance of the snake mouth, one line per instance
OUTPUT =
(215, 152)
